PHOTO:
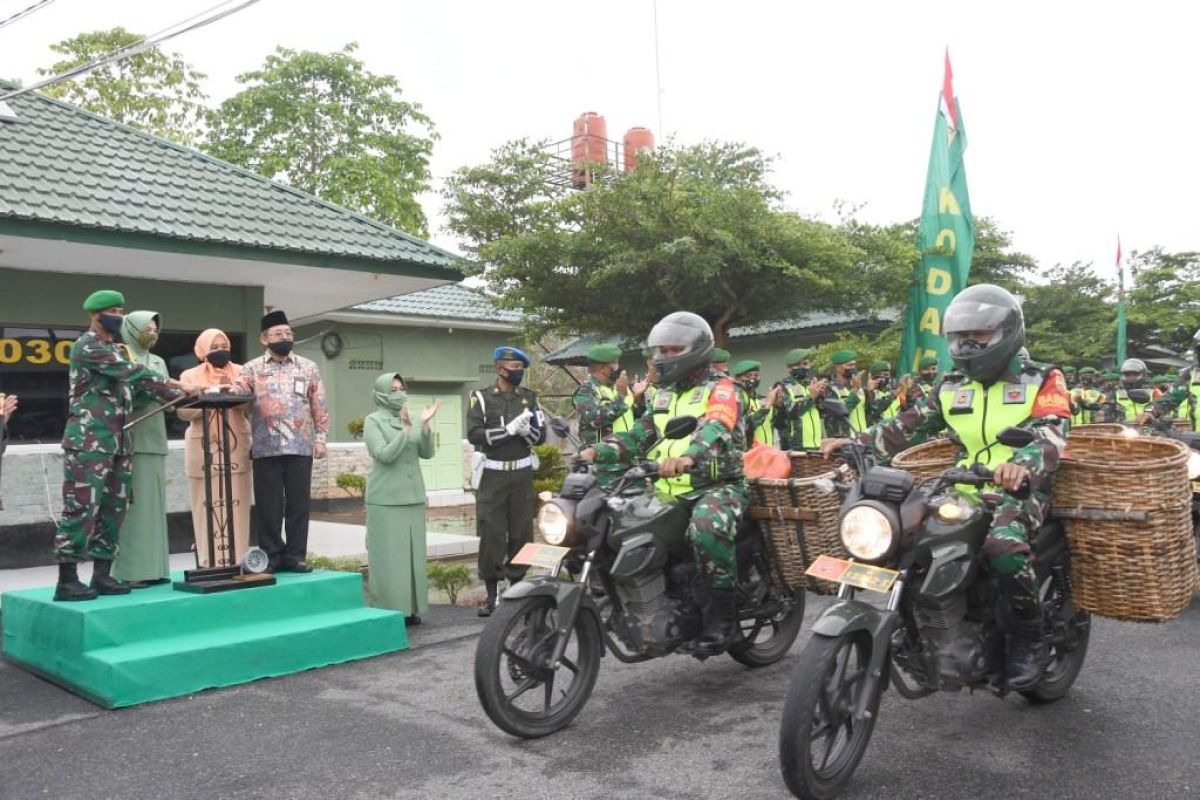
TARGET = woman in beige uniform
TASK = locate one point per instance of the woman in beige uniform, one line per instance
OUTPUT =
(216, 369)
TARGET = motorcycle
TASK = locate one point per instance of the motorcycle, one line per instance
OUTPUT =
(923, 546)
(629, 593)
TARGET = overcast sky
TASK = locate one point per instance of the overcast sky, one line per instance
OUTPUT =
(1082, 117)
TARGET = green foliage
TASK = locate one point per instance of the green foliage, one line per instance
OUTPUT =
(449, 578)
(352, 484)
(1164, 303)
(883, 346)
(551, 471)
(335, 563)
(995, 261)
(694, 227)
(322, 123)
(355, 427)
(155, 91)
(1070, 317)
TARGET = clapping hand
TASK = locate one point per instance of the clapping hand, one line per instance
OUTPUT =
(8, 405)
(817, 387)
(639, 387)
(622, 384)
(429, 413)
(774, 396)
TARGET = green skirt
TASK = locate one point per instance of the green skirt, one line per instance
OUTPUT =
(396, 556)
(143, 553)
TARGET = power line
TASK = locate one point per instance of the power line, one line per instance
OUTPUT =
(25, 12)
(149, 42)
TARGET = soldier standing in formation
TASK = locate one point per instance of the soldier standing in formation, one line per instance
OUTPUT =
(759, 412)
(604, 402)
(96, 449)
(846, 384)
(797, 409)
(504, 423)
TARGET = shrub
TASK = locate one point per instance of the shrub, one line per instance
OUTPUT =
(355, 427)
(551, 471)
(352, 483)
(449, 578)
(336, 563)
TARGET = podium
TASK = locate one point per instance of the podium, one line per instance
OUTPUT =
(224, 574)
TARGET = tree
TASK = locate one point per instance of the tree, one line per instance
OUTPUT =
(695, 228)
(995, 261)
(155, 91)
(324, 124)
(1164, 302)
(1070, 317)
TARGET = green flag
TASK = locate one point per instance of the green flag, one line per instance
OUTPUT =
(945, 240)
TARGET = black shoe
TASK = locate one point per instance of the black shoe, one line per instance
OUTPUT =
(718, 623)
(295, 566)
(103, 581)
(69, 587)
(412, 620)
(1027, 660)
(487, 608)
(158, 581)
(137, 584)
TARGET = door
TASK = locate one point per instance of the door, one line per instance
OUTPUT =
(445, 469)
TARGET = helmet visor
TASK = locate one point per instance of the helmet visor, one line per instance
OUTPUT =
(671, 334)
(969, 315)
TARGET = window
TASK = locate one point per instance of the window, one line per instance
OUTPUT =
(34, 364)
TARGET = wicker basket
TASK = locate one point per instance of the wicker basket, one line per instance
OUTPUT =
(1181, 424)
(799, 519)
(1126, 507)
(1098, 429)
(928, 460)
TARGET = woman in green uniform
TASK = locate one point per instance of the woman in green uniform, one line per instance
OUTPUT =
(143, 556)
(396, 500)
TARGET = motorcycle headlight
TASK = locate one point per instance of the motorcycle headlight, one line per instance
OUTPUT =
(1193, 466)
(553, 523)
(867, 533)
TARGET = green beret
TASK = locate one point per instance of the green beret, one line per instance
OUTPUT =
(1113, 376)
(1088, 371)
(797, 355)
(720, 355)
(744, 366)
(105, 298)
(880, 366)
(604, 354)
(844, 357)
(927, 362)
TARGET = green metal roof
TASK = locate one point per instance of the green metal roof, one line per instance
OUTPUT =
(63, 166)
(453, 301)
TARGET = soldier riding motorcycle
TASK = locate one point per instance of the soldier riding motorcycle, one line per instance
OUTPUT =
(975, 598)
(654, 563)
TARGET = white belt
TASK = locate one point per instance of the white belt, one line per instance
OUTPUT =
(509, 466)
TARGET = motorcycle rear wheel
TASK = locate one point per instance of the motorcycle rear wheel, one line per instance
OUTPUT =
(1065, 664)
(820, 744)
(765, 640)
(515, 648)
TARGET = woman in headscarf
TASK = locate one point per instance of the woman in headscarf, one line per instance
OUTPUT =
(396, 500)
(143, 555)
(216, 369)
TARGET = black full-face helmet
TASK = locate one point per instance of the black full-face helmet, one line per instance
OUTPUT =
(994, 316)
(1133, 373)
(680, 329)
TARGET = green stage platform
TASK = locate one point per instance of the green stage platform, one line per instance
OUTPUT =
(157, 642)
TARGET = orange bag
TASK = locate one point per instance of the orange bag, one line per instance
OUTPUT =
(764, 461)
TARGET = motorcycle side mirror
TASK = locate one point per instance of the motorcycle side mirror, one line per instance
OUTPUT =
(1015, 437)
(1140, 396)
(835, 408)
(560, 427)
(680, 427)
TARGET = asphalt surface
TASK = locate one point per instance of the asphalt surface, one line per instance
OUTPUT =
(409, 726)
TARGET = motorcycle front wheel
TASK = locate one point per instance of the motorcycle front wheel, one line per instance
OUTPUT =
(519, 689)
(820, 742)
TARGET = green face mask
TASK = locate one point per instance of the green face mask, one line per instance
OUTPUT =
(397, 400)
(147, 340)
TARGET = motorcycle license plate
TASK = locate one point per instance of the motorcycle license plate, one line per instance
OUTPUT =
(1195, 487)
(861, 576)
(545, 556)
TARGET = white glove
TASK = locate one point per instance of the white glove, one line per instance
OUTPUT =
(518, 426)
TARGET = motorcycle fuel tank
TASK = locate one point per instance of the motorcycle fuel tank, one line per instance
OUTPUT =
(667, 521)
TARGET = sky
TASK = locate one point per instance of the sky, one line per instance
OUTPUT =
(1081, 118)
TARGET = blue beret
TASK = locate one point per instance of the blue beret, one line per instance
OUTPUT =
(506, 353)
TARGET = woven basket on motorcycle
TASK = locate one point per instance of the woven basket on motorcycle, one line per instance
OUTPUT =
(1126, 505)
(928, 460)
(799, 519)
(1098, 429)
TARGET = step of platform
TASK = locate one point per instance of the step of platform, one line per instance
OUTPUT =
(157, 642)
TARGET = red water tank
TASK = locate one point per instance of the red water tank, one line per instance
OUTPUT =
(589, 145)
(637, 141)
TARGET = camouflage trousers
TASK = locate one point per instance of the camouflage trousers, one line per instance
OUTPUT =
(1009, 555)
(96, 492)
(711, 532)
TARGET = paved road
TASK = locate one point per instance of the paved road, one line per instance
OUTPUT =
(409, 726)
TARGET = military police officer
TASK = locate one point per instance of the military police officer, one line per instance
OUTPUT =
(797, 405)
(96, 450)
(604, 402)
(504, 423)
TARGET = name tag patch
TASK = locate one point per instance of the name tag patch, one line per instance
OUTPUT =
(963, 401)
(1014, 393)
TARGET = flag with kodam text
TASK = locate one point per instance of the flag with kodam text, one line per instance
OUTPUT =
(945, 238)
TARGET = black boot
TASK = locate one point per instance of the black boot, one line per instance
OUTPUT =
(1021, 616)
(718, 623)
(489, 605)
(102, 580)
(69, 586)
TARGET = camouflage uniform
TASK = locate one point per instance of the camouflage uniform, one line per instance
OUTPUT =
(601, 411)
(715, 484)
(96, 459)
(1015, 520)
(799, 420)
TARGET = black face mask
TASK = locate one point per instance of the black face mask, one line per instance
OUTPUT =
(111, 323)
(800, 373)
(219, 358)
(752, 386)
(514, 376)
(882, 383)
(850, 373)
(280, 348)
(928, 377)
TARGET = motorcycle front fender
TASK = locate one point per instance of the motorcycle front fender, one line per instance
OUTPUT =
(569, 598)
(851, 616)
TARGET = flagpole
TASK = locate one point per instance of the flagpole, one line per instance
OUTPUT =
(1121, 335)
